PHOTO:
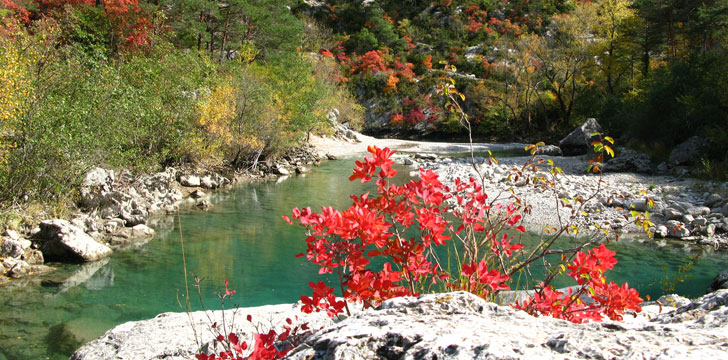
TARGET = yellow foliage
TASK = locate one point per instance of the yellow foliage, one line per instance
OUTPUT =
(21, 56)
(217, 111)
(248, 52)
(392, 81)
(222, 127)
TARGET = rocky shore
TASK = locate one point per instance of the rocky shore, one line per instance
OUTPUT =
(120, 210)
(680, 207)
(442, 326)
(687, 209)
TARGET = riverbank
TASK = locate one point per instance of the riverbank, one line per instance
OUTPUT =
(117, 211)
(691, 210)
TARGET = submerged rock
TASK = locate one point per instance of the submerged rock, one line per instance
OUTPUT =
(138, 234)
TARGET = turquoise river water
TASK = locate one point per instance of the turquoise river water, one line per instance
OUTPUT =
(242, 239)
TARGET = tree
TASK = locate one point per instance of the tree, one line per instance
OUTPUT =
(564, 58)
(235, 25)
(614, 47)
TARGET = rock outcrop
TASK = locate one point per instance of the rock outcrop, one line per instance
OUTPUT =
(463, 326)
(61, 241)
(449, 326)
(689, 152)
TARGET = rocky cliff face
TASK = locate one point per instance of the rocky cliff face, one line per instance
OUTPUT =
(450, 326)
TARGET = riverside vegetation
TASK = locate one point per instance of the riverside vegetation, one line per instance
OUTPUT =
(139, 85)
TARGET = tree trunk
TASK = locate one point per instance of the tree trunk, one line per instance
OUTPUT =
(225, 34)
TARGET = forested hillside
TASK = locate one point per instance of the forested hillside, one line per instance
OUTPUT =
(655, 70)
(140, 84)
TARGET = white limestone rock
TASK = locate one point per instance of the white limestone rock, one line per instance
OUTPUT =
(446, 326)
(189, 180)
(171, 336)
(61, 241)
(463, 326)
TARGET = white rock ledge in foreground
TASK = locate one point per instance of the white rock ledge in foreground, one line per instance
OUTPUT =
(451, 326)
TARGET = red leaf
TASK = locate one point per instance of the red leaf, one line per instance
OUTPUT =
(233, 338)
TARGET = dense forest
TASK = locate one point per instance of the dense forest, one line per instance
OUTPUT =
(143, 84)
(654, 70)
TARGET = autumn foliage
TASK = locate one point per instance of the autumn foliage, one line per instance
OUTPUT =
(127, 18)
(402, 226)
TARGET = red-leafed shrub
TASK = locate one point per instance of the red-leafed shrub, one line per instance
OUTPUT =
(380, 227)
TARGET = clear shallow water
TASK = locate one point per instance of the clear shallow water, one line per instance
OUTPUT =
(242, 239)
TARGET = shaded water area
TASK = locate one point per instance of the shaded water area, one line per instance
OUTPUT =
(242, 239)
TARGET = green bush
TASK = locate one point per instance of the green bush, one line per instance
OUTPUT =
(132, 114)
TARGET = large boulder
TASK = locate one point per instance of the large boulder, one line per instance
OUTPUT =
(463, 326)
(689, 152)
(639, 163)
(578, 142)
(61, 241)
